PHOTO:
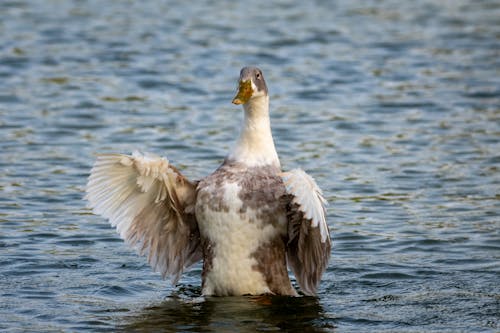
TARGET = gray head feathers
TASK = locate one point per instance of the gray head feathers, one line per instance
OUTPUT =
(255, 74)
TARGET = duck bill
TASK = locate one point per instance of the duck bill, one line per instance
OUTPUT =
(244, 92)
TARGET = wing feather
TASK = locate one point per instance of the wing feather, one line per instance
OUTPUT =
(309, 242)
(150, 204)
(309, 197)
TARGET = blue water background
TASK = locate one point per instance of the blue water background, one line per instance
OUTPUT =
(393, 107)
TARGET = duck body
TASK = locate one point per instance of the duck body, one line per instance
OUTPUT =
(243, 226)
(248, 221)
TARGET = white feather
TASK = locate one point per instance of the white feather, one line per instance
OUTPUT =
(113, 184)
(309, 197)
(138, 194)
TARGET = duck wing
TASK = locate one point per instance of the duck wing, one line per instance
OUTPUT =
(309, 242)
(151, 204)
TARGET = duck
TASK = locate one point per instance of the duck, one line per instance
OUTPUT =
(249, 222)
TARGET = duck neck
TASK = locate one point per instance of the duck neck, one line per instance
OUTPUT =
(255, 146)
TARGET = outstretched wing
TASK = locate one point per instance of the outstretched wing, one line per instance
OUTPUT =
(309, 241)
(152, 207)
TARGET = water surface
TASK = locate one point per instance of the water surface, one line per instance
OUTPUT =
(393, 107)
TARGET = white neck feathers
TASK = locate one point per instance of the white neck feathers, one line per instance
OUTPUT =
(255, 146)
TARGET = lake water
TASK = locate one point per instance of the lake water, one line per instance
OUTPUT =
(394, 108)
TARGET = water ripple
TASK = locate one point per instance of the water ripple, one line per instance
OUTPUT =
(393, 110)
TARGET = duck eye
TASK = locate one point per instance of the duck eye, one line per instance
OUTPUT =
(257, 75)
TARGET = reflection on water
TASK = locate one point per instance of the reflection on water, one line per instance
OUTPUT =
(230, 314)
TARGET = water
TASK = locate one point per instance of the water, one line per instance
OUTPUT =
(392, 106)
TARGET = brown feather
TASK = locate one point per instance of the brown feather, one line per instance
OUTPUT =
(307, 255)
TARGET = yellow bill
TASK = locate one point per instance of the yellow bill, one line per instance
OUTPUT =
(244, 92)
